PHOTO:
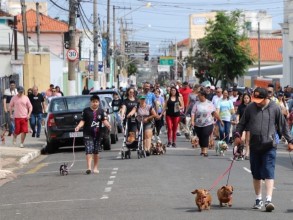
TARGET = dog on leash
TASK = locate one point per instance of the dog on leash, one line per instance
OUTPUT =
(211, 142)
(225, 195)
(194, 141)
(131, 137)
(221, 147)
(238, 151)
(203, 199)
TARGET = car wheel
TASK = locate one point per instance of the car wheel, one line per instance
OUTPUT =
(106, 143)
(113, 138)
(51, 147)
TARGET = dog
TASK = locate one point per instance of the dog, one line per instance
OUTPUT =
(225, 195)
(221, 147)
(131, 137)
(203, 199)
(158, 148)
(211, 142)
(63, 169)
(194, 141)
(238, 151)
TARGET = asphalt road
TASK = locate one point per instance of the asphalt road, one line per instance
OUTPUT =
(157, 187)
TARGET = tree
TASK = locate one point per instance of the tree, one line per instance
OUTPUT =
(224, 52)
(131, 69)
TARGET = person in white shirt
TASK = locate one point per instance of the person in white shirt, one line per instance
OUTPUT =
(234, 95)
(219, 95)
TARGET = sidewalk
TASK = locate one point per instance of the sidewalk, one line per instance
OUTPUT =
(13, 157)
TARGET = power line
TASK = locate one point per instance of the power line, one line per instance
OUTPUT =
(58, 6)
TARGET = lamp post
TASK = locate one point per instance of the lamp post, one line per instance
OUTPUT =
(258, 46)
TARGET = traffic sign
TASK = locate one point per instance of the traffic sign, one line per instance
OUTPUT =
(164, 60)
(72, 54)
(137, 47)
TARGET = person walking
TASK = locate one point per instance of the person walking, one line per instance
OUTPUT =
(172, 107)
(159, 121)
(8, 94)
(20, 110)
(202, 119)
(38, 103)
(246, 99)
(192, 98)
(261, 119)
(92, 119)
(225, 108)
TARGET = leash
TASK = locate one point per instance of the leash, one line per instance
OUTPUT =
(73, 151)
(222, 176)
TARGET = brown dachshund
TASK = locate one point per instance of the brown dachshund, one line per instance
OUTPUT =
(203, 199)
(225, 195)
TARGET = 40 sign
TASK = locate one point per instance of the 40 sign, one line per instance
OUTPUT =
(72, 54)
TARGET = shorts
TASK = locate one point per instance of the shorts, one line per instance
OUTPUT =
(21, 125)
(92, 145)
(262, 165)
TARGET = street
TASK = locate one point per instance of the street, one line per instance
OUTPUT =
(156, 187)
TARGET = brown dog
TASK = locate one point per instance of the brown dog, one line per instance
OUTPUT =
(225, 195)
(131, 137)
(203, 199)
(194, 141)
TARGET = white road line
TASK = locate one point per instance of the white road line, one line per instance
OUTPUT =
(108, 189)
(112, 177)
(113, 172)
(115, 168)
(110, 182)
(104, 197)
(246, 169)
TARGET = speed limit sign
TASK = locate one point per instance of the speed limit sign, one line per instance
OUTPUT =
(72, 54)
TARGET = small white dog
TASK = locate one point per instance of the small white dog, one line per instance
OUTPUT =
(221, 147)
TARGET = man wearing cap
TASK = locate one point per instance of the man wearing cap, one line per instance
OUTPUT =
(185, 91)
(8, 94)
(234, 95)
(261, 118)
(209, 93)
(22, 108)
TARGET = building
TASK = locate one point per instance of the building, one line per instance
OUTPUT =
(14, 8)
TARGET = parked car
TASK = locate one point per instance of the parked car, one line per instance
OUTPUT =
(64, 113)
(107, 93)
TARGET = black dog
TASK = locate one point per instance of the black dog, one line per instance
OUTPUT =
(63, 169)
(238, 152)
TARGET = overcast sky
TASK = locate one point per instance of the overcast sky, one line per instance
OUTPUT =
(166, 20)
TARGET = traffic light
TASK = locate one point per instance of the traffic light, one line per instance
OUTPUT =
(146, 57)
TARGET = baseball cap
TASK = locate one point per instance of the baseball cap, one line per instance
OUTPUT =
(280, 94)
(234, 89)
(213, 87)
(185, 83)
(259, 95)
(141, 97)
(20, 89)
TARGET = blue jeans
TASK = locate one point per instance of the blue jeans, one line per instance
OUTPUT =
(224, 130)
(36, 119)
(10, 122)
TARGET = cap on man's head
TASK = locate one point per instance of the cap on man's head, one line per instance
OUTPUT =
(259, 95)
(280, 94)
(141, 97)
(20, 89)
(234, 89)
(51, 85)
(230, 90)
(185, 83)
(213, 87)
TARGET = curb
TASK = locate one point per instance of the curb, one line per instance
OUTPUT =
(29, 157)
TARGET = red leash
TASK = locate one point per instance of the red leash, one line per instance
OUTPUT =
(222, 176)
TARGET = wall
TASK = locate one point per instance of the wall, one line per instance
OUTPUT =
(36, 71)
(5, 67)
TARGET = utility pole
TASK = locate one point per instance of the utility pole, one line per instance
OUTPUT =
(71, 64)
(96, 58)
(15, 38)
(176, 61)
(24, 26)
(38, 26)
(108, 33)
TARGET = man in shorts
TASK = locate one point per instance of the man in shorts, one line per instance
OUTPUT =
(92, 119)
(22, 108)
(261, 119)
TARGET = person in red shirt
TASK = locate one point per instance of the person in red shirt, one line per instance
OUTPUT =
(185, 91)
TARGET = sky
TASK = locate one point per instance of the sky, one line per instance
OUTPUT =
(165, 21)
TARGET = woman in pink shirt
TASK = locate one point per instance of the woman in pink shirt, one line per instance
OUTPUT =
(22, 108)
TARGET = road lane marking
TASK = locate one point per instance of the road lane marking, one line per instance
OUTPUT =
(247, 170)
(115, 168)
(114, 172)
(112, 177)
(104, 197)
(108, 189)
(110, 182)
(35, 169)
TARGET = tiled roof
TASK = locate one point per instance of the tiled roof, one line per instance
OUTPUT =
(47, 24)
(183, 43)
(4, 14)
(270, 49)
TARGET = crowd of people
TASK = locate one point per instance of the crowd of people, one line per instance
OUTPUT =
(24, 111)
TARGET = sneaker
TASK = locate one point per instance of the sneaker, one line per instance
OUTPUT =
(34, 135)
(96, 171)
(21, 146)
(38, 136)
(246, 158)
(169, 144)
(178, 134)
(258, 204)
(158, 138)
(14, 141)
(174, 145)
(269, 206)
(88, 171)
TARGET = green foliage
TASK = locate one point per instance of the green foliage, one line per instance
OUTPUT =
(131, 69)
(222, 54)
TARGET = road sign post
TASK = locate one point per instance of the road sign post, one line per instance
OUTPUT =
(72, 54)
